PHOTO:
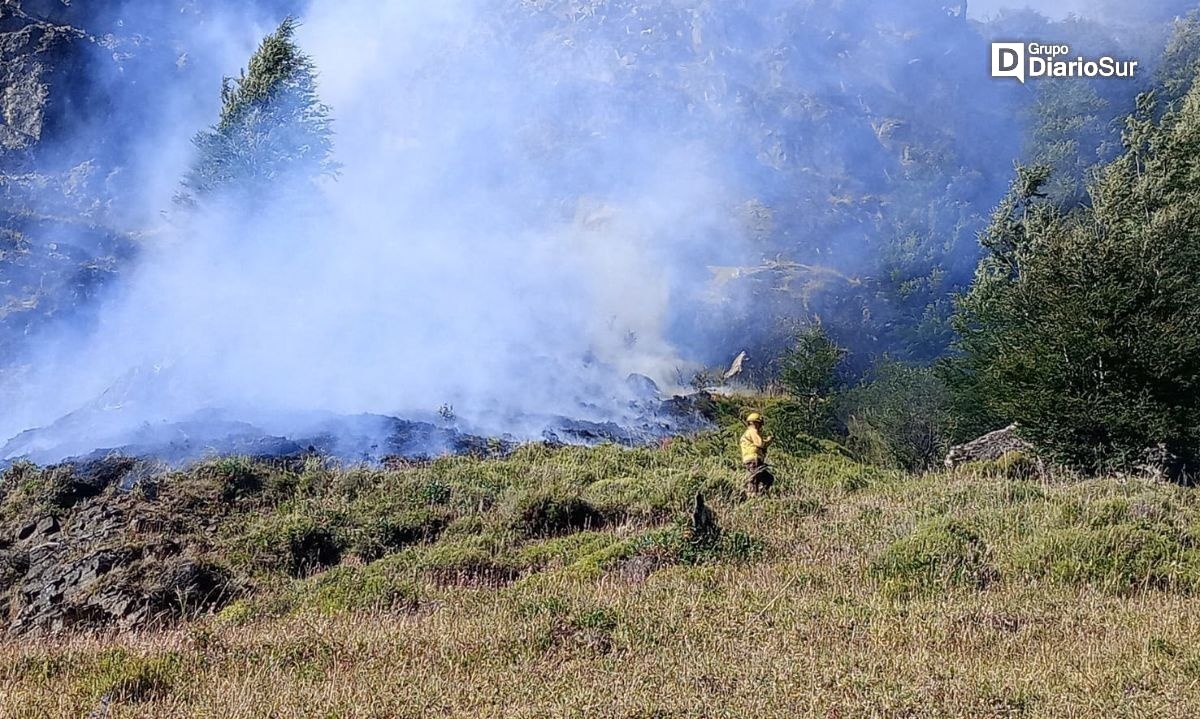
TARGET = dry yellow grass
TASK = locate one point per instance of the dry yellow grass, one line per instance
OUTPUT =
(808, 629)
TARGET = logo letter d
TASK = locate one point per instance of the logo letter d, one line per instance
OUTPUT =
(1008, 60)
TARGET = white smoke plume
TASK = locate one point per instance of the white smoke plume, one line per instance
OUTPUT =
(448, 266)
(533, 198)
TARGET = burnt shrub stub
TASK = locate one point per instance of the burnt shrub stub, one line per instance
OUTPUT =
(73, 482)
(548, 515)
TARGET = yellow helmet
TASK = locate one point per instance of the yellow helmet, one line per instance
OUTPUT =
(753, 417)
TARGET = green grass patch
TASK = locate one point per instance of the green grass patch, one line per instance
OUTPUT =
(125, 677)
(383, 585)
(939, 554)
(1116, 557)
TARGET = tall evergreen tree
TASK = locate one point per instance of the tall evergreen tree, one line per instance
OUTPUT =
(274, 134)
(1085, 326)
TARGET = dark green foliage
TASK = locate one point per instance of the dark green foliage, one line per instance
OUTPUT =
(790, 423)
(391, 532)
(436, 493)
(1073, 133)
(809, 368)
(237, 477)
(1074, 124)
(809, 372)
(1085, 326)
(297, 544)
(675, 545)
(273, 136)
(1181, 60)
(789, 420)
(899, 415)
(311, 548)
(794, 422)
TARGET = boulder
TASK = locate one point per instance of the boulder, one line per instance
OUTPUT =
(991, 446)
(39, 528)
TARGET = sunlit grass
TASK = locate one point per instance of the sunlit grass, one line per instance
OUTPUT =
(867, 593)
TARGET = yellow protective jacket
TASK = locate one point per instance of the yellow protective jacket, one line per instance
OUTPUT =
(753, 445)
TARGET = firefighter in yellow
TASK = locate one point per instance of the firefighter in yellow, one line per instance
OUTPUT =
(754, 456)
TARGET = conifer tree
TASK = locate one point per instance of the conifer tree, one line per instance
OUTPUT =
(274, 135)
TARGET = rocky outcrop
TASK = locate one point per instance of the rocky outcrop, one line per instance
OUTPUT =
(102, 553)
(991, 446)
(34, 55)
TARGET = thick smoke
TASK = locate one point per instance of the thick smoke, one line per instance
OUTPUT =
(535, 199)
(447, 267)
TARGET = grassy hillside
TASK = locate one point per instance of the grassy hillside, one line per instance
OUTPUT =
(568, 582)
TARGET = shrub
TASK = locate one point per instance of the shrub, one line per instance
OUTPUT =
(548, 515)
(938, 554)
(1118, 558)
(435, 492)
(296, 543)
(899, 416)
(677, 545)
(809, 367)
(236, 477)
(390, 532)
(793, 422)
(1098, 358)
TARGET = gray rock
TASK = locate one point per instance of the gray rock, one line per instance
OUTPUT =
(990, 446)
(39, 529)
(99, 571)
